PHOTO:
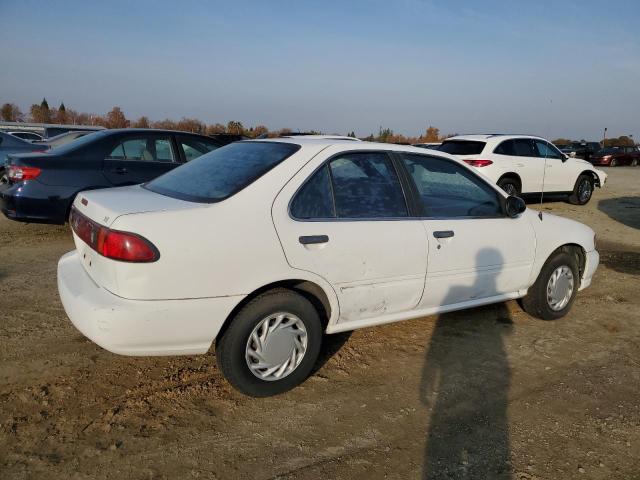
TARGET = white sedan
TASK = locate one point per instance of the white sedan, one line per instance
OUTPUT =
(526, 165)
(259, 247)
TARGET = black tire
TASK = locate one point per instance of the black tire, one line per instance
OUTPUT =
(535, 303)
(231, 346)
(510, 185)
(582, 190)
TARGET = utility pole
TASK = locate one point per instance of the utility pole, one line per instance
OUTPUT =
(604, 137)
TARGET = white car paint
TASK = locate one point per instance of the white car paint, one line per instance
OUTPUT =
(561, 173)
(212, 256)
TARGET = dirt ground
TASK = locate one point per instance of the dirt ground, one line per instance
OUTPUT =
(484, 393)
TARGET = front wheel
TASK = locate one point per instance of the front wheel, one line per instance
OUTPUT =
(582, 191)
(271, 345)
(510, 186)
(554, 291)
(613, 163)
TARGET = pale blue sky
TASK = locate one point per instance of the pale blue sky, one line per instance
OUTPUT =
(553, 68)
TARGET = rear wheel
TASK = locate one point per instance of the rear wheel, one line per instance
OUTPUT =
(634, 162)
(554, 291)
(582, 191)
(271, 345)
(510, 185)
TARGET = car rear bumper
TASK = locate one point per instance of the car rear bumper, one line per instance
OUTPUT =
(139, 327)
(591, 264)
(29, 202)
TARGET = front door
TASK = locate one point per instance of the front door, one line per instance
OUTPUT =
(138, 159)
(475, 251)
(349, 223)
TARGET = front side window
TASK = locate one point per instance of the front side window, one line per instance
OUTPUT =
(144, 149)
(447, 189)
(223, 172)
(546, 150)
(365, 185)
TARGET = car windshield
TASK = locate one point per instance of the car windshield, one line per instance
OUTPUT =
(223, 172)
(75, 144)
(462, 147)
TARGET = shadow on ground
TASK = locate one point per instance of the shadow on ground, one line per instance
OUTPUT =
(625, 210)
(465, 383)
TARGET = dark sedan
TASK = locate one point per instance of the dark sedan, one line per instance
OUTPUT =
(615, 156)
(41, 187)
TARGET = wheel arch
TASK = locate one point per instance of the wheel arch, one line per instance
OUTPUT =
(511, 175)
(324, 303)
(596, 179)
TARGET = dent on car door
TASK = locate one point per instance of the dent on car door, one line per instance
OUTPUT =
(349, 223)
(134, 160)
(475, 251)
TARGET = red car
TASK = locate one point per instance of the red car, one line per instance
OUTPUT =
(615, 156)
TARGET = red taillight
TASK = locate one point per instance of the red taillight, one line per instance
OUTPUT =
(114, 244)
(19, 174)
(479, 163)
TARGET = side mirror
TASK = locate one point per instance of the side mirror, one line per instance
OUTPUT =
(514, 206)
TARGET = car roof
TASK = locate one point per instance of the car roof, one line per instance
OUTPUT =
(488, 137)
(349, 145)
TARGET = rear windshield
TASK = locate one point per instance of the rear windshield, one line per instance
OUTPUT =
(462, 147)
(77, 143)
(223, 172)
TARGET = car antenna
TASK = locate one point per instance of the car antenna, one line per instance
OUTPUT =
(544, 176)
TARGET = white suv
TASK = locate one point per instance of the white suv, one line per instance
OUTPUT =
(522, 165)
(260, 247)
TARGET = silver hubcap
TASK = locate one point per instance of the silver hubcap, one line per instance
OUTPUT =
(276, 346)
(560, 288)
(584, 191)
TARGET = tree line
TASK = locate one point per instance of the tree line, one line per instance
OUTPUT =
(115, 118)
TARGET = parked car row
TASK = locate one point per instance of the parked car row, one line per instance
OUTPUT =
(40, 187)
(260, 247)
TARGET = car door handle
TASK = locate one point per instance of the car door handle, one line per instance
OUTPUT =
(120, 170)
(443, 234)
(311, 239)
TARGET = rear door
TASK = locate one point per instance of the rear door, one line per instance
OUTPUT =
(518, 155)
(138, 158)
(349, 223)
(475, 250)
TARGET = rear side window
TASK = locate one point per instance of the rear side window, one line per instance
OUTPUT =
(462, 147)
(523, 147)
(144, 149)
(314, 200)
(354, 185)
(223, 172)
(365, 185)
(505, 148)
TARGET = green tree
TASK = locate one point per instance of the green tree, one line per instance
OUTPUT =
(61, 115)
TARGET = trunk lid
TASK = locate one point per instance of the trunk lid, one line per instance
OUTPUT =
(105, 205)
